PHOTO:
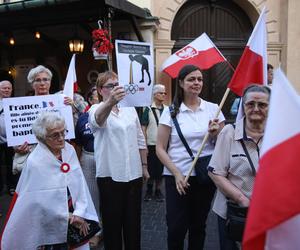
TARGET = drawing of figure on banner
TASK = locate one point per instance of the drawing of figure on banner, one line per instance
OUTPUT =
(135, 71)
(144, 66)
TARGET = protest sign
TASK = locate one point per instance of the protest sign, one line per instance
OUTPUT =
(21, 112)
(135, 72)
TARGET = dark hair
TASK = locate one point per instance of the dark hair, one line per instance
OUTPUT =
(178, 97)
(270, 66)
(256, 88)
(89, 94)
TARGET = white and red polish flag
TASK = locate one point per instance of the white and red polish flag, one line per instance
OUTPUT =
(201, 52)
(71, 80)
(274, 215)
(252, 67)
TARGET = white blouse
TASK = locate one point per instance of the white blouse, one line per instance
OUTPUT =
(194, 126)
(117, 144)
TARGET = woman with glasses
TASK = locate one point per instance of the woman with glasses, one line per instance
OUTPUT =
(40, 80)
(187, 203)
(52, 194)
(235, 159)
(121, 164)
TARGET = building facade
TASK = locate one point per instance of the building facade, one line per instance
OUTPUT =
(220, 17)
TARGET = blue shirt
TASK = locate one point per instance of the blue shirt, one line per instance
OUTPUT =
(83, 134)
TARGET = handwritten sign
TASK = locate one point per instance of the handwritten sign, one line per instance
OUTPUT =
(21, 112)
(135, 72)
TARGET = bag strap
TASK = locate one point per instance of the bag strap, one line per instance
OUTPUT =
(188, 149)
(155, 114)
(248, 156)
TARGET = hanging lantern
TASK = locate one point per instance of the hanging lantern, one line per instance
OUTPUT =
(76, 45)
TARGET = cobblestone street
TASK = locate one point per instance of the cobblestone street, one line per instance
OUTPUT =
(154, 230)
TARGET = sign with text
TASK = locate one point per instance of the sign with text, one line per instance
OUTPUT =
(135, 72)
(21, 112)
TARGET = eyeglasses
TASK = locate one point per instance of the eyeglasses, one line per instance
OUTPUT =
(57, 135)
(110, 86)
(162, 93)
(39, 80)
(260, 105)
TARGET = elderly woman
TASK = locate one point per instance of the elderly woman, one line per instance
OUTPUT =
(187, 204)
(121, 162)
(235, 159)
(51, 195)
(40, 80)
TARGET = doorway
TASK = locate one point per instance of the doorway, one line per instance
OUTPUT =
(228, 26)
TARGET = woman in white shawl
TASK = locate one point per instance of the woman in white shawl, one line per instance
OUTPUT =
(51, 194)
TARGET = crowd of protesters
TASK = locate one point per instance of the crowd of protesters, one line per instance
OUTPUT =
(118, 152)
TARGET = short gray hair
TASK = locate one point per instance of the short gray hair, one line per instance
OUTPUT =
(253, 87)
(5, 81)
(158, 88)
(37, 70)
(46, 120)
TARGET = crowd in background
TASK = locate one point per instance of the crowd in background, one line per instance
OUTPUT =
(118, 151)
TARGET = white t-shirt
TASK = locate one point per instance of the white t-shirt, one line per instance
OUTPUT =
(117, 144)
(194, 126)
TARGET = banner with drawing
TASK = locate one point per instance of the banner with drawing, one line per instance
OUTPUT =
(21, 112)
(135, 72)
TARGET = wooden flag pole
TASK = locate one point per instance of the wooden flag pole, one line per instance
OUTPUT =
(207, 135)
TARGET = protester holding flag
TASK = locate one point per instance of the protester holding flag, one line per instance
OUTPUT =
(273, 221)
(235, 159)
(52, 196)
(187, 204)
(121, 164)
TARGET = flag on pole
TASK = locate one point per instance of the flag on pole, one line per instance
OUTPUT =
(201, 52)
(71, 80)
(274, 215)
(252, 67)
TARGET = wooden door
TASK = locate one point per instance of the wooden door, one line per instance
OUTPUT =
(229, 28)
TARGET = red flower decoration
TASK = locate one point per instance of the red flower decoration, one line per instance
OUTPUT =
(65, 167)
(101, 41)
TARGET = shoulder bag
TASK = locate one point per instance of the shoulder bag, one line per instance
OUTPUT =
(236, 215)
(202, 162)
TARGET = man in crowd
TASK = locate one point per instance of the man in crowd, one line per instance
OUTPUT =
(6, 153)
(270, 74)
(149, 124)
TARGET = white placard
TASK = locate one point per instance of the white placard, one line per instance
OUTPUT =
(135, 72)
(21, 112)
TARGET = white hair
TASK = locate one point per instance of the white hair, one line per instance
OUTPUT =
(37, 70)
(5, 81)
(158, 88)
(46, 120)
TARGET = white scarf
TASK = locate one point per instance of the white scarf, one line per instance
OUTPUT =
(40, 212)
